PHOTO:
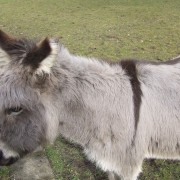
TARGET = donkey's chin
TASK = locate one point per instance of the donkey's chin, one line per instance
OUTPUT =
(7, 161)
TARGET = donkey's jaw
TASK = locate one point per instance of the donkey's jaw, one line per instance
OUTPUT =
(7, 155)
(7, 151)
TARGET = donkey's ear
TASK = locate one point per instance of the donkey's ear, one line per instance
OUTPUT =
(5, 40)
(6, 45)
(42, 57)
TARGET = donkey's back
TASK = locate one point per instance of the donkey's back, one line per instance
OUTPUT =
(160, 109)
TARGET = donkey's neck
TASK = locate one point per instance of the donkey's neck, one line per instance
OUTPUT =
(75, 122)
(83, 80)
(77, 64)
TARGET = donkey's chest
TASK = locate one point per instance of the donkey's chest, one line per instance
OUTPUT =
(102, 159)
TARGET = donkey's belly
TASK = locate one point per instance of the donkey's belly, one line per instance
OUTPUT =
(164, 151)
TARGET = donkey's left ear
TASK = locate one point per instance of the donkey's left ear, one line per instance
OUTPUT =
(6, 45)
(42, 57)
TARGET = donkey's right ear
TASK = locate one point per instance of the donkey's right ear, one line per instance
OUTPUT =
(6, 44)
(6, 41)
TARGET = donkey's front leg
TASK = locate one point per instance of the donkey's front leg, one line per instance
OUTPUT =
(128, 173)
(113, 176)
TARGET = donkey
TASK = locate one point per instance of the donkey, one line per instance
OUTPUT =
(119, 113)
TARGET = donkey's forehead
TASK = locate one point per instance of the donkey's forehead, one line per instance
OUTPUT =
(14, 92)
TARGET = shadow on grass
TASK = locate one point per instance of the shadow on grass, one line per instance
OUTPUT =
(69, 162)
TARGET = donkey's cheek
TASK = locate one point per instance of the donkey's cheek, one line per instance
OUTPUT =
(24, 133)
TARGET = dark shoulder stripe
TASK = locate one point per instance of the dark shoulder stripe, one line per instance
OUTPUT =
(130, 68)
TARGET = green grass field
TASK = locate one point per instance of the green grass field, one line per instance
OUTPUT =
(109, 29)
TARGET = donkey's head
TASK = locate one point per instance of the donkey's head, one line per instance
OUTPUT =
(24, 79)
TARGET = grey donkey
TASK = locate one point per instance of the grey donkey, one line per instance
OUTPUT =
(119, 113)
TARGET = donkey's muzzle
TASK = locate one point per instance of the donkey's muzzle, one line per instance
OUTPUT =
(7, 161)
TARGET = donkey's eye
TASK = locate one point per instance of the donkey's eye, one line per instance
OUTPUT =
(14, 110)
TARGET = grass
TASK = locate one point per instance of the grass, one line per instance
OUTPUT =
(68, 162)
(102, 28)
(4, 173)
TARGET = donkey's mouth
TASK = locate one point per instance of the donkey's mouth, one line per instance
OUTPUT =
(7, 161)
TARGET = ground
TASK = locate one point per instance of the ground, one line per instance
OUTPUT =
(106, 29)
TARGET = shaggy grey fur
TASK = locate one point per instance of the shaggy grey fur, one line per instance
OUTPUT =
(92, 103)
